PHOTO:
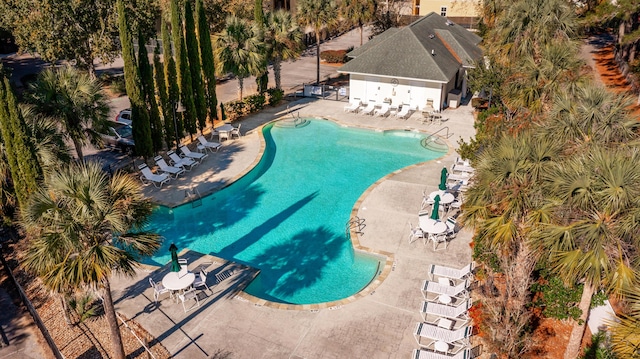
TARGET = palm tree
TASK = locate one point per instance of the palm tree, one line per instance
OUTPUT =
(359, 12)
(283, 40)
(47, 139)
(526, 25)
(238, 50)
(75, 100)
(504, 205)
(592, 236)
(591, 114)
(85, 227)
(317, 14)
(625, 331)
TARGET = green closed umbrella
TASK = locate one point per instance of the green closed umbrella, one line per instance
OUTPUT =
(443, 179)
(436, 204)
(175, 266)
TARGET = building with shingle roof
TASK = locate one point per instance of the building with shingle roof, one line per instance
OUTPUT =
(426, 60)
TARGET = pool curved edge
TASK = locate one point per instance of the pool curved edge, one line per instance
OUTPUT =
(387, 259)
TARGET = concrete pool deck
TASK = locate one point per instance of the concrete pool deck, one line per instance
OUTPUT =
(377, 324)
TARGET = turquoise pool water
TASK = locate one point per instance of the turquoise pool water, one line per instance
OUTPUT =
(287, 216)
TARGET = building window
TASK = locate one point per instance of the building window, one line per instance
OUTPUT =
(416, 7)
(443, 11)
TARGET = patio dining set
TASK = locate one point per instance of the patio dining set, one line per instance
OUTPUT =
(445, 203)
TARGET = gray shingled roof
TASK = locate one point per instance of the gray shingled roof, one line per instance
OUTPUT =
(428, 49)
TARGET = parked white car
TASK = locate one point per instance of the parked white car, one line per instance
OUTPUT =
(124, 117)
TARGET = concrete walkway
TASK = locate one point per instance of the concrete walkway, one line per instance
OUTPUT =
(379, 324)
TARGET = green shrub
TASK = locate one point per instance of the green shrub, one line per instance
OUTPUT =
(118, 86)
(254, 103)
(334, 56)
(275, 96)
(234, 110)
(556, 300)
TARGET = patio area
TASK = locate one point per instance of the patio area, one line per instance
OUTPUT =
(378, 324)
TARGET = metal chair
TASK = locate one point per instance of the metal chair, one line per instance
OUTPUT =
(189, 295)
(158, 289)
(415, 233)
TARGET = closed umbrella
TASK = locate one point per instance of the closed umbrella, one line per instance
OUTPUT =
(436, 204)
(443, 179)
(175, 266)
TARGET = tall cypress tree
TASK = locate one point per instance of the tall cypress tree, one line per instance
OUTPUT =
(161, 88)
(184, 72)
(149, 93)
(208, 64)
(139, 113)
(20, 152)
(262, 79)
(171, 81)
(194, 63)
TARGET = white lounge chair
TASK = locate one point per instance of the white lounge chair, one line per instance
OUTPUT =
(207, 145)
(448, 272)
(438, 333)
(369, 109)
(428, 354)
(193, 155)
(149, 177)
(184, 162)
(439, 289)
(446, 311)
(405, 112)
(382, 111)
(164, 167)
(353, 107)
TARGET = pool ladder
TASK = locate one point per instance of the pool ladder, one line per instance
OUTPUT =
(357, 223)
(194, 197)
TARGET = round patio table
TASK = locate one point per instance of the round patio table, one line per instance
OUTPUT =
(445, 197)
(432, 226)
(441, 346)
(173, 281)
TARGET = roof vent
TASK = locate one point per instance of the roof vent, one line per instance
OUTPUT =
(449, 22)
(431, 36)
(433, 52)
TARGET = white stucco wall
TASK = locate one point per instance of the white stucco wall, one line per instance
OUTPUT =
(413, 92)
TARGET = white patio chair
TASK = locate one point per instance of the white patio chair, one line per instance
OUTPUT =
(158, 289)
(184, 162)
(201, 280)
(236, 131)
(164, 167)
(415, 233)
(193, 155)
(428, 354)
(189, 295)
(207, 145)
(426, 200)
(437, 333)
(431, 287)
(463, 273)
(460, 311)
(149, 177)
(437, 239)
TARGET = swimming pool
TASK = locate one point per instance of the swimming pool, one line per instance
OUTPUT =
(287, 216)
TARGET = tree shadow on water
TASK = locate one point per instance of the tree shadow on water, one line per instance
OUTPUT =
(298, 263)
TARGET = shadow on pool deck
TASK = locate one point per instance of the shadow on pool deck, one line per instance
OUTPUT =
(166, 319)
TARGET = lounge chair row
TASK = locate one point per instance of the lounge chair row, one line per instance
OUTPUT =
(448, 302)
(376, 109)
(177, 164)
